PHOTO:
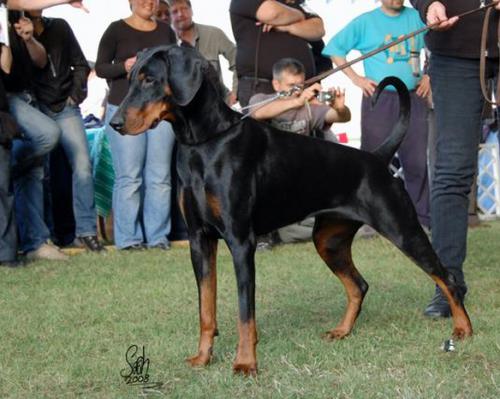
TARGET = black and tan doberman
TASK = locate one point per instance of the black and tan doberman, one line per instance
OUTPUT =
(242, 178)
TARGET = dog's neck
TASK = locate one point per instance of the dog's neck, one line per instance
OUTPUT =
(206, 117)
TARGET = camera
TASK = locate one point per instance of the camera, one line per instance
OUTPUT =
(325, 97)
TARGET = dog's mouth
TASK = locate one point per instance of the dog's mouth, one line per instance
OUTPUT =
(137, 120)
(155, 123)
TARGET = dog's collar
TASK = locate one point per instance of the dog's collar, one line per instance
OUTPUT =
(213, 136)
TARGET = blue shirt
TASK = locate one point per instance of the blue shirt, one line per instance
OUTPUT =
(374, 29)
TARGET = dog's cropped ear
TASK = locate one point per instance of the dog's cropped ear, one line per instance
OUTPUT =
(185, 73)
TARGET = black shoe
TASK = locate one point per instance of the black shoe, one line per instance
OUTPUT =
(264, 246)
(13, 263)
(164, 246)
(265, 242)
(134, 247)
(438, 307)
(91, 243)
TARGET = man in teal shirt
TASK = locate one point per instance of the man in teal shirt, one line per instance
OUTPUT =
(365, 33)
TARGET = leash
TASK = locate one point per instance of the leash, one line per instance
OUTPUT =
(391, 44)
(260, 104)
(482, 61)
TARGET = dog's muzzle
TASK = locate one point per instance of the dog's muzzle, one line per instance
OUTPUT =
(118, 122)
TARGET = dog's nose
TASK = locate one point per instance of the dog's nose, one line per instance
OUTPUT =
(118, 126)
(117, 122)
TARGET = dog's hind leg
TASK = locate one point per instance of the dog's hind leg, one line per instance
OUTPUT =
(333, 239)
(203, 257)
(400, 225)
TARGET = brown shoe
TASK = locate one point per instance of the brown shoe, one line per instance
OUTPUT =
(47, 252)
(91, 243)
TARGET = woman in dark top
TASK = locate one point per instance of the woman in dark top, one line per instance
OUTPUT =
(141, 195)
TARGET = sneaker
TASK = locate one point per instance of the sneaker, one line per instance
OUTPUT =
(366, 231)
(91, 243)
(164, 246)
(264, 246)
(47, 252)
(265, 242)
(134, 247)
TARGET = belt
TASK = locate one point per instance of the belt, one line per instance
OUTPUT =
(254, 79)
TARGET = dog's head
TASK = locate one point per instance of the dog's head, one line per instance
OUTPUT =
(163, 78)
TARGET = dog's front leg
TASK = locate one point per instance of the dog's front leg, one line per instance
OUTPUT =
(203, 257)
(244, 264)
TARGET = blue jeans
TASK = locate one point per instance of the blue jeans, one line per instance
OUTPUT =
(458, 105)
(41, 134)
(74, 143)
(141, 194)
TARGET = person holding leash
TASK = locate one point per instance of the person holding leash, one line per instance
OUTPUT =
(458, 103)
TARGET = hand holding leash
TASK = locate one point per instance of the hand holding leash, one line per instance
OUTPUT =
(436, 17)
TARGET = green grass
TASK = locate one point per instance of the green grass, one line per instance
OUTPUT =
(65, 327)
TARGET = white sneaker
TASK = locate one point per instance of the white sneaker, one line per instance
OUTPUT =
(47, 252)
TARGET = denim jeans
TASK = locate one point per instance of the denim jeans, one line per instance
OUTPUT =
(141, 194)
(41, 134)
(74, 143)
(458, 105)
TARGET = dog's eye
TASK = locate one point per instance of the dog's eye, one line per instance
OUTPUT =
(148, 80)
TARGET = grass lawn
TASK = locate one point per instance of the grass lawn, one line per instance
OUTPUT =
(65, 327)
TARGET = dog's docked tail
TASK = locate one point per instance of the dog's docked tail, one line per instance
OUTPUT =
(389, 147)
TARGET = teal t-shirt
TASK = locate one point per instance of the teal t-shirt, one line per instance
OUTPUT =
(374, 29)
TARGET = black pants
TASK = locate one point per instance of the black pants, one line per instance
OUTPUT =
(247, 87)
(8, 236)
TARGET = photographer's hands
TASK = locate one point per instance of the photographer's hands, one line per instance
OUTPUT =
(308, 94)
(339, 112)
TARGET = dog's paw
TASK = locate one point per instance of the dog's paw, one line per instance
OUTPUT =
(462, 333)
(248, 370)
(336, 333)
(201, 359)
